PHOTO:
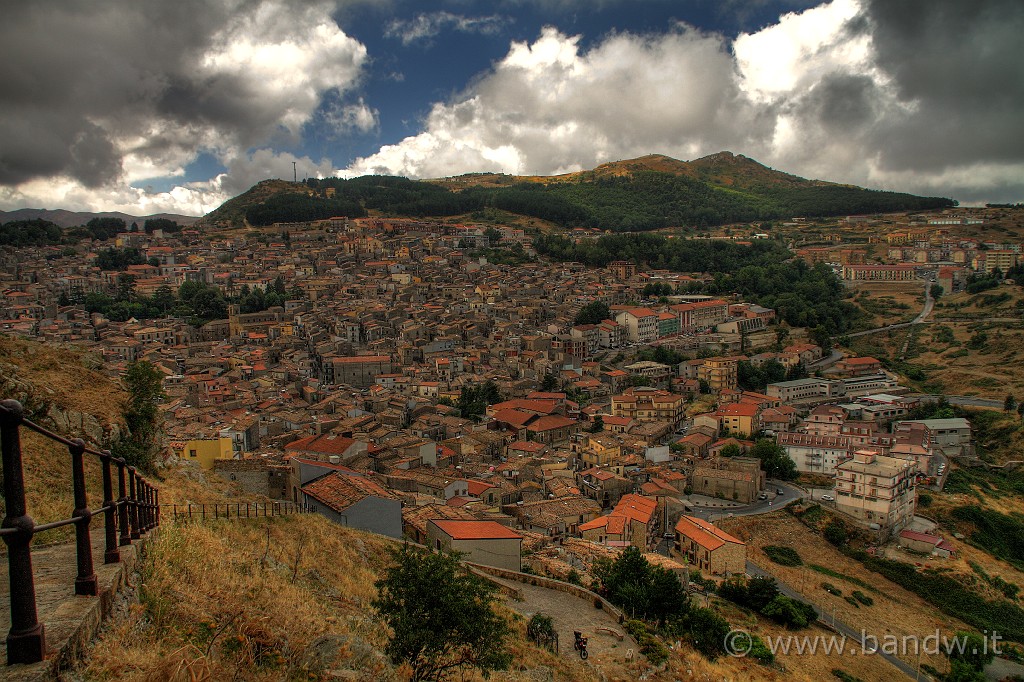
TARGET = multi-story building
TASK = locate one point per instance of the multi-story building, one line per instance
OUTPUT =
(707, 548)
(815, 454)
(641, 324)
(720, 373)
(731, 478)
(700, 315)
(649, 404)
(360, 370)
(883, 273)
(876, 490)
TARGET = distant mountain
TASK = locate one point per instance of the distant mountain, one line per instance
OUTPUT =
(74, 218)
(646, 193)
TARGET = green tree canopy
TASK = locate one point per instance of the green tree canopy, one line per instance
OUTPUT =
(592, 313)
(442, 618)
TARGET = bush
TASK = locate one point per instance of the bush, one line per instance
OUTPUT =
(863, 598)
(844, 676)
(835, 533)
(790, 612)
(924, 500)
(785, 556)
(832, 589)
(650, 645)
(759, 651)
(850, 600)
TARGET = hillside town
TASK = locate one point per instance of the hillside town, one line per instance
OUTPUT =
(408, 386)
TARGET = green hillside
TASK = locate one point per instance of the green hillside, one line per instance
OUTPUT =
(642, 194)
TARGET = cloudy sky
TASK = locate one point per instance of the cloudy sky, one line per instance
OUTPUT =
(177, 105)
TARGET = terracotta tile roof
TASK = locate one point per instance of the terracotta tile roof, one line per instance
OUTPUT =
(339, 492)
(326, 444)
(550, 423)
(613, 525)
(475, 530)
(703, 533)
(636, 508)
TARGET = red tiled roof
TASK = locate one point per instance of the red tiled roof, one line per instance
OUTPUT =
(339, 492)
(703, 533)
(475, 530)
(327, 444)
(551, 422)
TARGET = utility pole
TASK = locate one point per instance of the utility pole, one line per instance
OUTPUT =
(295, 173)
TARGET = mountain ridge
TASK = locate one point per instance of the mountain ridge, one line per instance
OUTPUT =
(65, 218)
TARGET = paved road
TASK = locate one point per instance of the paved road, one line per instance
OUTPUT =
(773, 503)
(833, 357)
(840, 626)
(965, 400)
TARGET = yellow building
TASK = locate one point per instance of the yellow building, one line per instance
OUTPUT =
(596, 450)
(720, 373)
(204, 450)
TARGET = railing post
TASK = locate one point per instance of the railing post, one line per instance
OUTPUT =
(26, 640)
(133, 502)
(85, 583)
(156, 505)
(148, 499)
(122, 504)
(112, 554)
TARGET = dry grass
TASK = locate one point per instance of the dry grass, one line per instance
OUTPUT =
(61, 375)
(247, 600)
(889, 302)
(895, 611)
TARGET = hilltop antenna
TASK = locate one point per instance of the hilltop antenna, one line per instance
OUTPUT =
(295, 173)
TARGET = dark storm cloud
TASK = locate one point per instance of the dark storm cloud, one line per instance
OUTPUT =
(86, 82)
(64, 63)
(959, 63)
(844, 102)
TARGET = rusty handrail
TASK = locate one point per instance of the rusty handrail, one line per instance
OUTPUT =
(136, 511)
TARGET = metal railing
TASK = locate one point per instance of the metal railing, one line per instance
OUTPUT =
(232, 510)
(127, 518)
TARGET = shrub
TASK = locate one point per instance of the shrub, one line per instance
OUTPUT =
(924, 500)
(835, 533)
(790, 612)
(863, 598)
(650, 645)
(844, 676)
(760, 652)
(785, 556)
(832, 589)
(851, 601)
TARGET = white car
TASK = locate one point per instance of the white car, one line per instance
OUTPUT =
(828, 498)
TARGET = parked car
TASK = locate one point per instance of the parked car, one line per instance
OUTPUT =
(778, 491)
(763, 496)
(828, 498)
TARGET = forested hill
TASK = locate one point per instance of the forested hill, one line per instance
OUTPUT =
(642, 194)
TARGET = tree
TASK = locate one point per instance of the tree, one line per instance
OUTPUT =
(774, 460)
(730, 450)
(442, 618)
(1010, 404)
(598, 424)
(145, 389)
(972, 652)
(549, 383)
(593, 313)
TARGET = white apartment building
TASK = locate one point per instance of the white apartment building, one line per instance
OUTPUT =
(641, 324)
